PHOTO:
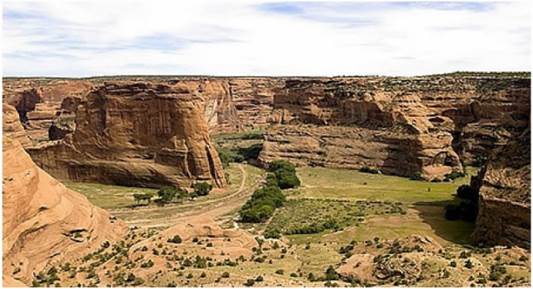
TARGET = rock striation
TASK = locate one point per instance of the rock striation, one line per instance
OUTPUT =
(136, 134)
(43, 222)
(505, 196)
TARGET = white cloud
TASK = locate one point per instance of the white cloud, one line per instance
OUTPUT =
(89, 37)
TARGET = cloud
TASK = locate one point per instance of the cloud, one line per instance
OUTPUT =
(90, 37)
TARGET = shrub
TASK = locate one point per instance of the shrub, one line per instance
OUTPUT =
(168, 194)
(202, 188)
(287, 179)
(259, 278)
(331, 274)
(257, 214)
(285, 173)
(280, 271)
(369, 170)
(261, 205)
(249, 282)
(147, 264)
(142, 197)
(176, 239)
(225, 275)
(272, 234)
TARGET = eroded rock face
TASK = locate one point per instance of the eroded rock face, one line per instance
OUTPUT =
(505, 196)
(351, 124)
(136, 134)
(44, 222)
(39, 102)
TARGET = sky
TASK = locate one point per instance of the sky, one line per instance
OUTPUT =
(79, 38)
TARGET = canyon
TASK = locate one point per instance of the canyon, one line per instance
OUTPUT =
(158, 131)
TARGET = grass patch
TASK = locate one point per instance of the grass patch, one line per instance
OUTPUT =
(354, 185)
(310, 216)
(108, 196)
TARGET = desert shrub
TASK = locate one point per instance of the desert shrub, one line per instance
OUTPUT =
(202, 188)
(225, 275)
(226, 156)
(331, 274)
(147, 264)
(259, 278)
(249, 282)
(176, 239)
(272, 234)
(280, 271)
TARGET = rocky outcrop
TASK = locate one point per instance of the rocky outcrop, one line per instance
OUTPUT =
(505, 196)
(447, 117)
(339, 123)
(139, 134)
(39, 102)
(44, 222)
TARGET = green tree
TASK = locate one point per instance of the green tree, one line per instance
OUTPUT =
(202, 188)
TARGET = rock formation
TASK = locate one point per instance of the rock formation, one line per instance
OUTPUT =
(39, 103)
(505, 196)
(43, 222)
(139, 134)
(340, 123)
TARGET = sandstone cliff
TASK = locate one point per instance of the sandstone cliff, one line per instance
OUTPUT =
(505, 196)
(136, 134)
(344, 123)
(44, 222)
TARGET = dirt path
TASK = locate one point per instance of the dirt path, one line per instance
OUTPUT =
(170, 215)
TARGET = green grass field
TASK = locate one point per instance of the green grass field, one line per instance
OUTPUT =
(108, 196)
(355, 185)
(422, 201)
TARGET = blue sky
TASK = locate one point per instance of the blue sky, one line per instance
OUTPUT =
(91, 37)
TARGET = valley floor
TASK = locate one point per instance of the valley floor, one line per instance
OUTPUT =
(371, 229)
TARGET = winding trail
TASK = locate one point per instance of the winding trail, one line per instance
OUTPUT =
(171, 215)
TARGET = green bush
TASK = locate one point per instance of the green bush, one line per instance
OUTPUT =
(257, 214)
(285, 173)
(202, 188)
(272, 234)
(168, 194)
(176, 239)
(331, 274)
(287, 179)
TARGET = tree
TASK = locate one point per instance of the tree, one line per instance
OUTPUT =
(142, 197)
(168, 194)
(202, 188)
